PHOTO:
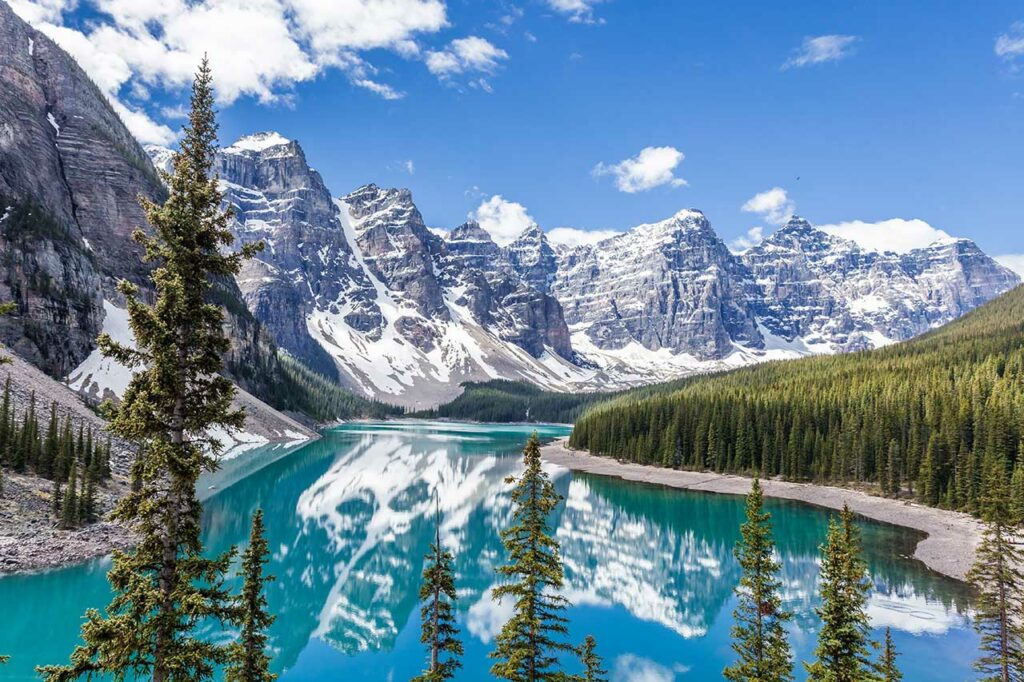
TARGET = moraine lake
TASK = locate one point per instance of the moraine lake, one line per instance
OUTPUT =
(650, 571)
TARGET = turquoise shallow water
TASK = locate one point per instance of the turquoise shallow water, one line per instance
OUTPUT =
(650, 570)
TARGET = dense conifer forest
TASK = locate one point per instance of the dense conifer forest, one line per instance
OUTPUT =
(501, 400)
(323, 399)
(922, 418)
(506, 401)
(51, 445)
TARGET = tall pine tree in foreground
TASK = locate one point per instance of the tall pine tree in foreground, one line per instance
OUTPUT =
(164, 587)
(592, 670)
(439, 631)
(997, 578)
(759, 635)
(528, 646)
(888, 671)
(248, 660)
(842, 654)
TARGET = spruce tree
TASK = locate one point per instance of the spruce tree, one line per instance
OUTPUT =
(69, 510)
(888, 671)
(842, 654)
(999, 584)
(439, 631)
(528, 646)
(164, 587)
(592, 662)
(248, 660)
(759, 635)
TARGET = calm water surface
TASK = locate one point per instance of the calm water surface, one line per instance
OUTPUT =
(650, 570)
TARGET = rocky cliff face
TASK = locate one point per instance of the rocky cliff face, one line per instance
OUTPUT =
(671, 285)
(70, 174)
(359, 288)
(830, 293)
(70, 178)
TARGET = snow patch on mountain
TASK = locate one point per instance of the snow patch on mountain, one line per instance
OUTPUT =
(258, 142)
(103, 377)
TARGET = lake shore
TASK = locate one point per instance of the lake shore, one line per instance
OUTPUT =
(949, 548)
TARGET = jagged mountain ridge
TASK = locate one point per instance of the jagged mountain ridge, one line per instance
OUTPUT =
(360, 287)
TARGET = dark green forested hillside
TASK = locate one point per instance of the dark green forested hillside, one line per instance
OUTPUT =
(925, 417)
(312, 394)
(517, 401)
(512, 401)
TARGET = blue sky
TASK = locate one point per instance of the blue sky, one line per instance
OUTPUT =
(841, 111)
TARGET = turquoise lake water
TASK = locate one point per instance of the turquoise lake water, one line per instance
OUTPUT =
(650, 570)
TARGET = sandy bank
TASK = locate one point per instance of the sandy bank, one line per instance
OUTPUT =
(948, 549)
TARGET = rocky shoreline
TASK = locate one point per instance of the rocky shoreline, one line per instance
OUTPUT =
(30, 539)
(949, 548)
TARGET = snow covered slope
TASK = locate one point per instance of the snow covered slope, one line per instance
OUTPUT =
(359, 288)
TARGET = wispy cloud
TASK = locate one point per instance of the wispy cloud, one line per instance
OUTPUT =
(1010, 45)
(578, 11)
(652, 167)
(821, 49)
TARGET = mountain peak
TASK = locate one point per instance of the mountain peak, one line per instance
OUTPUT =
(258, 142)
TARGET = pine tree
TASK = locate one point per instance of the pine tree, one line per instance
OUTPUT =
(164, 587)
(999, 584)
(592, 670)
(247, 658)
(439, 630)
(888, 671)
(843, 643)
(759, 635)
(69, 510)
(528, 645)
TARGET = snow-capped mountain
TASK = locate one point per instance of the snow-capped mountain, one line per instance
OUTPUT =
(358, 287)
(836, 296)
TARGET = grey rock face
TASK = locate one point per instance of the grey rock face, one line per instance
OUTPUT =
(828, 290)
(72, 174)
(397, 247)
(672, 284)
(532, 257)
(306, 260)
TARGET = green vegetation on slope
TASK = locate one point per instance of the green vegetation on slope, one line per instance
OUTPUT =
(324, 399)
(512, 401)
(501, 400)
(924, 417)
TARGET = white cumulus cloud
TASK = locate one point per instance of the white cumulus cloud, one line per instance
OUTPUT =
(821, 49)
(773, 205)
(257, 48)
(652, 167)
(896, 234)
(1014, 261)
(466, 55)
(750, 238)
(504, 220)
(1010, 45)
(572, 236)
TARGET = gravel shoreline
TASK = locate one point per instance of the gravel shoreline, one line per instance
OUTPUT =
(949, 547)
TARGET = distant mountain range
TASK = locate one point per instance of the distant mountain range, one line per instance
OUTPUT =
(358, 287)
(360, 290)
